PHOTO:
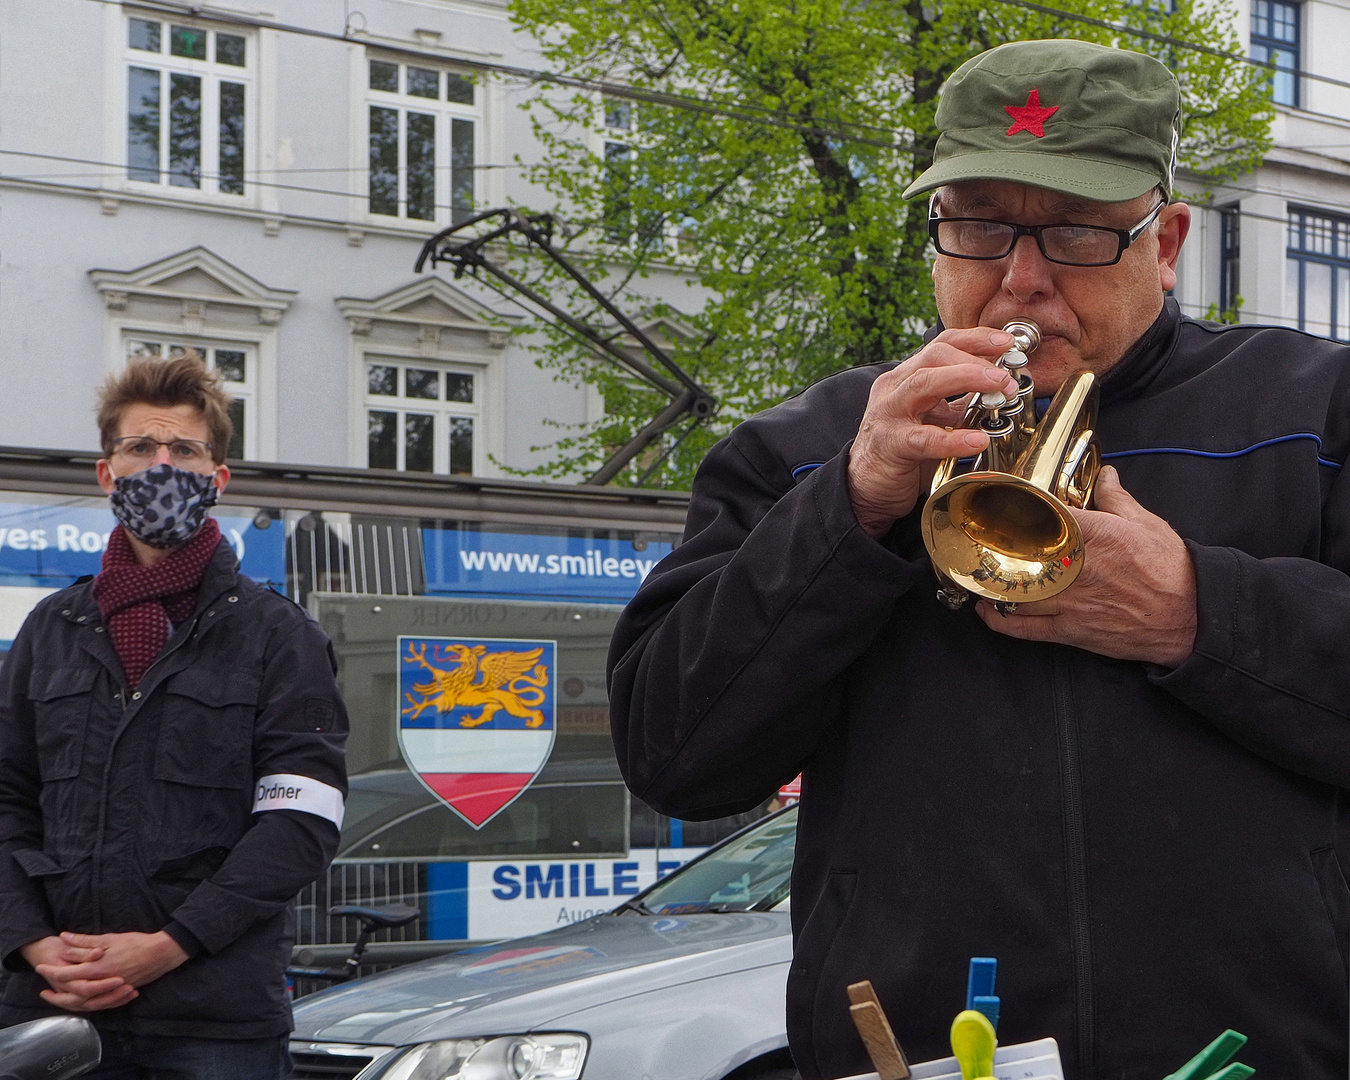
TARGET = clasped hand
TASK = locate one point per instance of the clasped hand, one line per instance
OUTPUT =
(1135, 597)
(93, 972)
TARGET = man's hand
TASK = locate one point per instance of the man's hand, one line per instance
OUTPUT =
(904, 429)
(128, 960)
(1135, 598)
(54, 954)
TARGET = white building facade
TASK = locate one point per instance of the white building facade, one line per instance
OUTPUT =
(256, 184)
(1275, 244)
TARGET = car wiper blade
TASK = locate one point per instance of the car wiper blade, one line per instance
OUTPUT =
(634, 905)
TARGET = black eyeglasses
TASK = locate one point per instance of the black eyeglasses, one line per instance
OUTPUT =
(1069, 245)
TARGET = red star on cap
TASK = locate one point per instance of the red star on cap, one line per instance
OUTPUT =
(1031, 116)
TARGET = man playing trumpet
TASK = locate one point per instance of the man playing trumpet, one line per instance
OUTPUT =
(1132, 794)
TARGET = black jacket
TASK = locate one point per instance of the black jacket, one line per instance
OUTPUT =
(135, 812)
(1152, 854)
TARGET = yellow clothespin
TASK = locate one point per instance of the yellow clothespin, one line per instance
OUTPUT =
(973, 1042)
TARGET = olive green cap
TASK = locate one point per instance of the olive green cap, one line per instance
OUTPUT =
(1070, 116)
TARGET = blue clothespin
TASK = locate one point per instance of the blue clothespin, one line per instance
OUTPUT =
(980, 988)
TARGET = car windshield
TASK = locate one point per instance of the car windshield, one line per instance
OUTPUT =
(749, 873)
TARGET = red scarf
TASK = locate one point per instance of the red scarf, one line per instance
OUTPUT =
(141, 604)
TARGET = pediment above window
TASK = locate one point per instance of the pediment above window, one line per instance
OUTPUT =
(428, 314)
(668, 330)
(195, 287)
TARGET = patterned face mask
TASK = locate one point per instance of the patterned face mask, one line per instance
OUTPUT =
(163, 506)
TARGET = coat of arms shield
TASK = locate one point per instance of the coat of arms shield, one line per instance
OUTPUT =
(476, 718)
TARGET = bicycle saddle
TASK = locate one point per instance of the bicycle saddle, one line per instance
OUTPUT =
(378, 918)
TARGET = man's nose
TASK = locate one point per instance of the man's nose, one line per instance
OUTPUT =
(1026, 272)
(162, 456)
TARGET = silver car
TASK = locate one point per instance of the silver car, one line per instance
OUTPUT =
(685, 981)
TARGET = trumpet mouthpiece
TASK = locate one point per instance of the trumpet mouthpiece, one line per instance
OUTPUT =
(1026, 334)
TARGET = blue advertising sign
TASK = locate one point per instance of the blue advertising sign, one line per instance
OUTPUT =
(530, 565)
(53, 544)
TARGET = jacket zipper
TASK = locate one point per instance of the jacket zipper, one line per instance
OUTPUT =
(1075, 848)
(127, 711)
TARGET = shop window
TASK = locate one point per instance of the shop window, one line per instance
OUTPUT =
(422, 142)
(421, 417)
(576, 805)
(1317, 274)
(188, 103)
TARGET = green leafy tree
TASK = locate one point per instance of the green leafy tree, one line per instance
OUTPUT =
(759, 148)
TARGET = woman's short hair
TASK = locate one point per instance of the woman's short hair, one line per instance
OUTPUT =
(182, 379)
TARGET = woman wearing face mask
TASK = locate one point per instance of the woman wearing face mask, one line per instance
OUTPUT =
(171, 765)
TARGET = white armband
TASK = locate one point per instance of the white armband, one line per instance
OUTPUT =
(288, 791)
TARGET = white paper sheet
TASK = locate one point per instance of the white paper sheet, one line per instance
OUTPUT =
(1037, 1060)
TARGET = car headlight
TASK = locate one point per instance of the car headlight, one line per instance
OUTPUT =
(509, 1057)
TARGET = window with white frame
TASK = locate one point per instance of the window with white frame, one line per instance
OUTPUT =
(619, 161)
(189, 96)
(422, 416)
(1317, 274)
(237, 365)
(423, 128)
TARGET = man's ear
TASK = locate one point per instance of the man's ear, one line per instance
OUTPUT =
(105, 475)
(1174, 223)
(222, 477)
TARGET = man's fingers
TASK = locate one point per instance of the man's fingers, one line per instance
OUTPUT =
(75, 1003)
(89, 988)
(1017, 625)
(941, 372)
(65, 974)
(1110, 497)
(987, 341)
(924, 442)
(1040, 607)
(85, 941)
(75, 954)
(925, 388)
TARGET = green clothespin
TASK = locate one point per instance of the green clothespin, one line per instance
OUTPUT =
(973, 1042)
(1212, 1063)
(1235, 1071)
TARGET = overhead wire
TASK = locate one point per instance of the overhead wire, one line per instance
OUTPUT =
(119, 167)
(741, 110)
(853, 131)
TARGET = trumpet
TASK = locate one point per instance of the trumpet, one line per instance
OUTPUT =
(1003, 530)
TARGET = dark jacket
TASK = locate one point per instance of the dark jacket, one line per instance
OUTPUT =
(135, 812)
(1152, 854)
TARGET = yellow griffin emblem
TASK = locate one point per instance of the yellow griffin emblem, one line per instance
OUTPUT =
(496, 681)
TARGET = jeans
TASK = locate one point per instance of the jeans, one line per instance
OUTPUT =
(154, 1057)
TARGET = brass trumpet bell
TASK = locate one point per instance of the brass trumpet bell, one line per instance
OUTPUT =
(1004, 531)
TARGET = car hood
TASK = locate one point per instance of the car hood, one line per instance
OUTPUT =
(534, 983)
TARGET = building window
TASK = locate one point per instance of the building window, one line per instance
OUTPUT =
(423, 127)
(1317, 282)
(188, 90)
(619, 161)
(1275, 39)
(1230, 218)
(421, 417)
(237, 366)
